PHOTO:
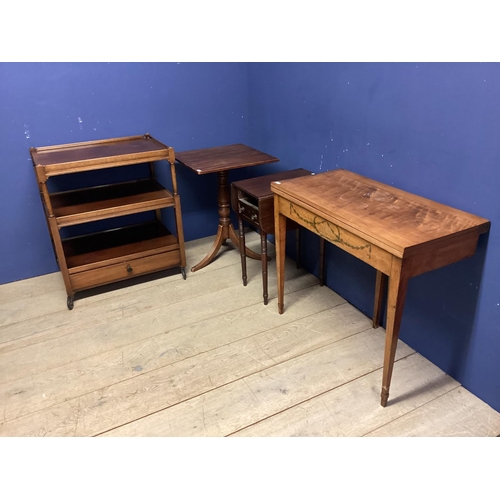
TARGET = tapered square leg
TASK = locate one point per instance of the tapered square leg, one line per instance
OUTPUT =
(398, 285)
(280, 242)
(380, 289)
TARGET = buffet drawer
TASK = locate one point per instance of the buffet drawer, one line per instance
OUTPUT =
(124, 270)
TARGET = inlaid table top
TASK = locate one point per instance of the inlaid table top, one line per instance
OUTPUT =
(393, 219)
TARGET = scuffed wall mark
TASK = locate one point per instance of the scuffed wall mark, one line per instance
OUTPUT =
(80, 121)
(321, 162)
(26, 131)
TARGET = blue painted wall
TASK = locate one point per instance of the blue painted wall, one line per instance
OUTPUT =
(186, 106)
(431, 129)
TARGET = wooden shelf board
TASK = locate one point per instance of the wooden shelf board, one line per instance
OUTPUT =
(101, 202)
(92, 155)
(117, 245)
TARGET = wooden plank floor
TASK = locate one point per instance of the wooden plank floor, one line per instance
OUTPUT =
(205, 357)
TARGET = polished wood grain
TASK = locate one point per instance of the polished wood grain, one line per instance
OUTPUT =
(400, 234)
(101, 202)
(110, 247)
(380, 289)
(81, 268)
(220, 160)
(395, 220)
(128, 268)
(258, 189)
(93, 155)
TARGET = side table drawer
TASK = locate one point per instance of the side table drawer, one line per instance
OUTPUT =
(124, 270)
(249, 210)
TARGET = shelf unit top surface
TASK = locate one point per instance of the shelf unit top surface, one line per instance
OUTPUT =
(110, 151)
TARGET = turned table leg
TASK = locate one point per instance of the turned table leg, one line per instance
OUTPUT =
(242, 252)
(263, 253)
(225, 229)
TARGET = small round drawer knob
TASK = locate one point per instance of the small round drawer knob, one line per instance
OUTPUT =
(129, 268)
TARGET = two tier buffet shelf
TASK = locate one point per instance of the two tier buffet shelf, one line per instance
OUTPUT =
(122, 252)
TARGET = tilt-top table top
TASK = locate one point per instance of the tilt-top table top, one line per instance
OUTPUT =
(222, 158)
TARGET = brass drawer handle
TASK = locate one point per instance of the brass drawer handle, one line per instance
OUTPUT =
(129, 268)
